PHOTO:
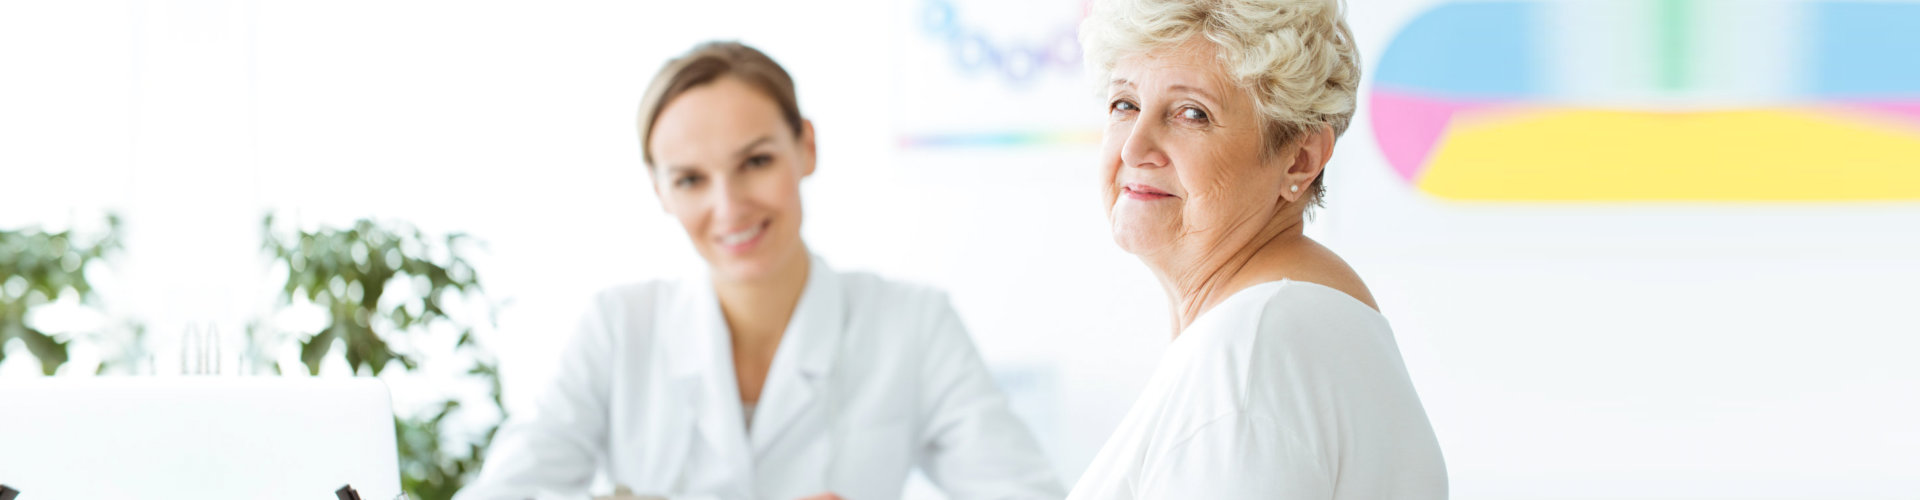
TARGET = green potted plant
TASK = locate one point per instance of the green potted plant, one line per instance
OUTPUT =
(36, 268)
(384, 285)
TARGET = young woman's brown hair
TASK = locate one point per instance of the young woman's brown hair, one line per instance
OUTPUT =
(706, 63)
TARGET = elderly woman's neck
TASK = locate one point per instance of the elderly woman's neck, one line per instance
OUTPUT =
(1208, 280)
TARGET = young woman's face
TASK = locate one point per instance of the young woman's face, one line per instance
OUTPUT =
(727, 165)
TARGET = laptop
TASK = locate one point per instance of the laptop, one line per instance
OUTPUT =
(199, 438)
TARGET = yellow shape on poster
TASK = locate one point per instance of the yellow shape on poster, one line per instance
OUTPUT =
(1602, 155)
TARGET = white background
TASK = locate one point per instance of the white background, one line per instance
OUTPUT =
(1563, 351)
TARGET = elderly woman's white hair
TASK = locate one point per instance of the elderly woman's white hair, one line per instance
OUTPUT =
(1295, 57)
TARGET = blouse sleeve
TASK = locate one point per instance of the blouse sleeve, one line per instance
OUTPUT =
(1325, 407)
(1240, 455)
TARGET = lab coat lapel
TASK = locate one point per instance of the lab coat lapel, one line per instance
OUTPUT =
(799, 375)
(703, 368)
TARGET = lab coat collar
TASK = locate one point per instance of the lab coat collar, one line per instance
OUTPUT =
(701, 361)
(805, 358)
(798, 376)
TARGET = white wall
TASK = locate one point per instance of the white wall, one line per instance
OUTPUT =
(1562, 351)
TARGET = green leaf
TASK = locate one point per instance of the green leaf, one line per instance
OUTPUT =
(52, 352)
(364, 347)
(314, 350)
(368, 256)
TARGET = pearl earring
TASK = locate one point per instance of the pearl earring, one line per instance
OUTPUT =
(1294, 188)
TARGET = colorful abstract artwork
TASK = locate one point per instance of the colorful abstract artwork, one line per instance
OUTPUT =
(992, 74)
(1654, 100)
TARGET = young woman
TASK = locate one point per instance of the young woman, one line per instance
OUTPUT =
(773, 376)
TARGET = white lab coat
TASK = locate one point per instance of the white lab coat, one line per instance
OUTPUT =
(871, 379)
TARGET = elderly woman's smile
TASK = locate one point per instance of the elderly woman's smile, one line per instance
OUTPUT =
(1143, 192)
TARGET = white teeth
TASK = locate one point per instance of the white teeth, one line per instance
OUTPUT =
(742, 236)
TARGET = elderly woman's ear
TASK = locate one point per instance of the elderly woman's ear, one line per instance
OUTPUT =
(1305, 160)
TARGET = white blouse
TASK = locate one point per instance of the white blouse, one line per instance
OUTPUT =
(1286, 390)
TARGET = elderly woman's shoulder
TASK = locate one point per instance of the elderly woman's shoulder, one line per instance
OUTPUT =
(1342, 281)
(1300, 299)
(1296, 312)
(1306, 324)
(1314, 263)
(1297, 329)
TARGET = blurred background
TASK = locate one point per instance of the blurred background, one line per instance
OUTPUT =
(1630, 249)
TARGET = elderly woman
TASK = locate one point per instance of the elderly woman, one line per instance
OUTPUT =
(1282, 380)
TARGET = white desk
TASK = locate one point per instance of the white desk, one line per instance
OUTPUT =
(199, 438)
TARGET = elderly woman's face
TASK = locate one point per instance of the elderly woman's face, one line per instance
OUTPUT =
(1182, 157)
